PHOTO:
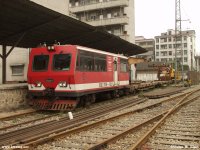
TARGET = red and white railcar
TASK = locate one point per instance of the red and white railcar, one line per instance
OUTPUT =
(62, 76)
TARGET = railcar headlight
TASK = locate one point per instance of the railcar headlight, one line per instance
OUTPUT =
(38, 84)
(50, 48)
(63, 84)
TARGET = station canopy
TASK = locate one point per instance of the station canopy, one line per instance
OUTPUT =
(26, 24)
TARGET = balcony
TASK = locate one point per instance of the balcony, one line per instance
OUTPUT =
(125, 37)
(99, 5)
(109, 21)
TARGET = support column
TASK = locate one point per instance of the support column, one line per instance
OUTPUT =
(4, 64)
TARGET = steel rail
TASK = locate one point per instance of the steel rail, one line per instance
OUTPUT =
(60, 125)
(18, 114)
(17, 136)
(23, 123)
(35, 140)
(144, 138)
(118, 136)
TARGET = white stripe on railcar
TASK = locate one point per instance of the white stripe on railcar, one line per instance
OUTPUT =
(90, 86)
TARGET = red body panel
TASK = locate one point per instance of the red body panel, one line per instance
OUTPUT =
(72, 76)
(55, 75)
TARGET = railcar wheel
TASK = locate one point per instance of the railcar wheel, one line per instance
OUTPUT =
(115, 94)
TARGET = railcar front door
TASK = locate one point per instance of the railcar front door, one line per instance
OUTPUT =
(115, 64)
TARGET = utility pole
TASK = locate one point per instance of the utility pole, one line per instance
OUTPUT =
(178, 35)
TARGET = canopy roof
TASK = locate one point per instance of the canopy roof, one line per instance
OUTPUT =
(27, 24)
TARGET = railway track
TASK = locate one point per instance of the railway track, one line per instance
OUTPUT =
(17, 137)
(19, 114)
(88, 136)
(178, 129)
(32, 117)
(38, 134)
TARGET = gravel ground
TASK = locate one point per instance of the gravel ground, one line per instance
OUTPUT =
(181, 130)
(58, 144)
(90, 137)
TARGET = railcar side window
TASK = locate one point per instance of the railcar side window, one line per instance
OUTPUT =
(40, 62)
(87, 61)
(123, 65)
(61, 61)
(100, 63)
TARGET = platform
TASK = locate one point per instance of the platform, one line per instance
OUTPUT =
(13, 86)
(12, 96)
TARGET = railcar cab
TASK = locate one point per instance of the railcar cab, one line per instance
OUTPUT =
(50, 67)
(49, 63)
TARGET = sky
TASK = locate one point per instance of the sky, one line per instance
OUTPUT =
(153, 17)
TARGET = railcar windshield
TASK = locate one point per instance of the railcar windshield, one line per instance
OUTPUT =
(40, 62)
(61, 61)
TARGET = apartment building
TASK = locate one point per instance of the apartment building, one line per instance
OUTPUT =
(149, 45)
(115, 16)
(165, 46)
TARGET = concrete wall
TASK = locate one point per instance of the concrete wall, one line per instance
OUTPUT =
(130, 11)
(19, 56)
(147, 76)
(12, 96)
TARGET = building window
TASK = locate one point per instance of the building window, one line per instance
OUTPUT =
(164, 59)
(178, 52)
(178, 39)
(164, 53)
(185, 52)
(185, 38)
(185, 59)
(177, 45)
(82, 2)
(164, 46)
(92, 17)
(185, 44)
(170, 45)
(163, 40)
(17, 69)
(157, 40)
(109, 15)
(157, 46)
(169, 39)
(157, 59)
(157, 53)
(170, 53)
